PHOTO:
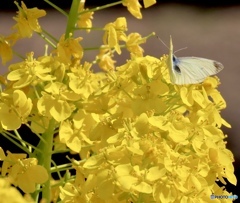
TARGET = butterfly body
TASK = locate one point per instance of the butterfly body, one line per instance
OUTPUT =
(190, 70)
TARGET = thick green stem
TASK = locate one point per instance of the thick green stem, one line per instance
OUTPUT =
(72, 18)
(45, 157)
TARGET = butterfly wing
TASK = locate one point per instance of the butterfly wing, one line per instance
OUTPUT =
(190, 70)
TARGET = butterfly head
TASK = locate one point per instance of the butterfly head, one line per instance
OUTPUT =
(172, 63)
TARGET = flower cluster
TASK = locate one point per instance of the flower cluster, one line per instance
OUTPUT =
(140, 138)
(150, 141)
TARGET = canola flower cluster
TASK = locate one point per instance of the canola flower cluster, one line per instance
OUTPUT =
(140, 138)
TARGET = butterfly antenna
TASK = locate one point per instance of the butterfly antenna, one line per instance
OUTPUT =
(180, 49)
(162, 42)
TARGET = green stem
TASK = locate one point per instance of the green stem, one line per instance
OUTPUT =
(50, 36)
(90, 28)
(101, 7)
(20, 56)
(12, 138)
(120, 45)
(72, 18)
(56, 7)
(57, 171)
(45, 158)
(20, 138)
(63, 167)
(47, 40)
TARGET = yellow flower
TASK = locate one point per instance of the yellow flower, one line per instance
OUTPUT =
(69, 50)
(75, 134)
(28, 175)
(17, 109)
(70, 193)
(27, 20)
(55, 102)
(30, 71)
(133, 7)
(24, 173)
(138, 79)
(39, 124)
(84, 18)
(9, 160)
(192, 95)
(132, 179)
(100, 105)
(82, 80)
(105, 61)
(115, 32)
(132, 43)
(5, 50)
(72, 138)
(209, 86)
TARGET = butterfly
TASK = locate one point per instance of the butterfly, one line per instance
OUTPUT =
(190, 70)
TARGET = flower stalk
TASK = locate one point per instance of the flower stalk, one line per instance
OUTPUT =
(45, 157)
(72, 18)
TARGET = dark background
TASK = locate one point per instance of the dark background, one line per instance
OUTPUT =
(209, 29)
(9, 4)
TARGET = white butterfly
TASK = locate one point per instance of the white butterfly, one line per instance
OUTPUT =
(190, 70)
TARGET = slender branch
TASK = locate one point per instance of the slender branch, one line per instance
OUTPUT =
(49, 35)
(13, 138)
(20, 138)
(62, 167)
(101, 7)
(56, 7)
(47, 40)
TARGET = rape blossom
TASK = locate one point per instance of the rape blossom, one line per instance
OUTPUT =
(27, 20)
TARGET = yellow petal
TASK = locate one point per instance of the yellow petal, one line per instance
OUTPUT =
(2, 154)
(61, 110)
(148, 3)
(142, 187)
(40, 174)
(7, 116)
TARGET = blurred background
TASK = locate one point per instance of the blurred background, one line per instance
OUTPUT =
(209, 29)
